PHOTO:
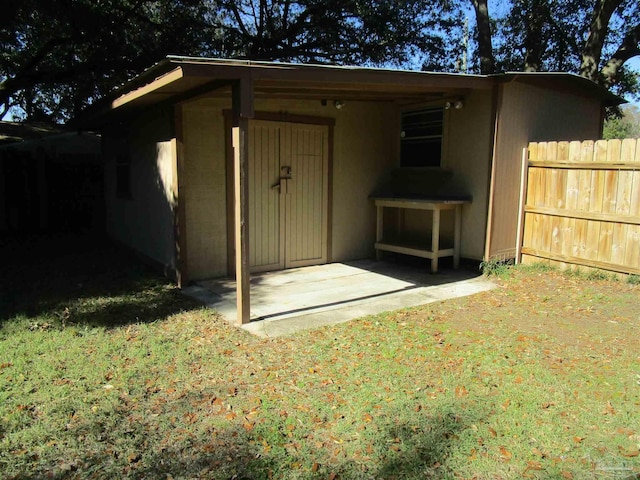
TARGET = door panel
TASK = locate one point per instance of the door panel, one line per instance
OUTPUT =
(288, 216)
(266, 247)
(306, 200)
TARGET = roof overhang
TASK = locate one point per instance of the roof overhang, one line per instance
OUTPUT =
(178, 79)
(564, 82)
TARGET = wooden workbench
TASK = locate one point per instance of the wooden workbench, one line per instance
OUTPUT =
(436, 206)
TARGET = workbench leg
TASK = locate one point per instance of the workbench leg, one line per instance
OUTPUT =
(456, 236)
(435, 240)
(379, 230)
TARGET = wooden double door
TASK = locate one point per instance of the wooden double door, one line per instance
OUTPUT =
(288, 195)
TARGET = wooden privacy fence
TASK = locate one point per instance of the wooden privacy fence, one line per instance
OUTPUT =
(580, 204)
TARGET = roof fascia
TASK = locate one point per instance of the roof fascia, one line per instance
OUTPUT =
(318, 73)
(164, 80)
(583, 86)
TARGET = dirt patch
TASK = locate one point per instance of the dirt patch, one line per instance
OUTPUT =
(566, 309)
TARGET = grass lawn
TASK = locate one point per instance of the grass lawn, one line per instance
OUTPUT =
(106, 371)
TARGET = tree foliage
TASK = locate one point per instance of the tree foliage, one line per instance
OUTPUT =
(626, 125)
(334, 31)
(57, 55)
(593, 38)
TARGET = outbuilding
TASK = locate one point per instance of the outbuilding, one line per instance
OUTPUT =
(220, 167)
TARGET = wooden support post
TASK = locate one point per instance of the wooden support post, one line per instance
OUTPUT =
(242, 110)
(456, 236)
(379, 230)
(523, 200)
(178, 191)
(435, 240)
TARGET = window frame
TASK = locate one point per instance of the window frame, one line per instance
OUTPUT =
(425, 161)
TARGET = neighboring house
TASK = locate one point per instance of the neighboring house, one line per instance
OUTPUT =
(50, 178)
(313, 144)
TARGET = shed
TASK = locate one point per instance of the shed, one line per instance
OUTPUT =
(220, 167)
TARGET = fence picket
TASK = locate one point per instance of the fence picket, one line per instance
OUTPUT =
(581, 214)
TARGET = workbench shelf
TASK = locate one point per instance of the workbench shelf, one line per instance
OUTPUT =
(433, 251)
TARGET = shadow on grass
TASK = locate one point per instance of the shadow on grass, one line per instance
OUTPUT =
(401, 451)
(81, 278)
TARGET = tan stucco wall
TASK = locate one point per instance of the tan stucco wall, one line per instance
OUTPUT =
(203, 188)
(468, 154)
(143, 222)
(531, 114)
(364, 151)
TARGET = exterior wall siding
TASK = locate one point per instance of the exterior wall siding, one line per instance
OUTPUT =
(204, 189)
(144, 222)
(468, 155)
(530, 114)
(364, 152)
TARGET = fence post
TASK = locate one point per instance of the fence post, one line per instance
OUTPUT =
(523, 198)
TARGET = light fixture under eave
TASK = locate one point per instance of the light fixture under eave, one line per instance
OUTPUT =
(455, 104)
(339, 104)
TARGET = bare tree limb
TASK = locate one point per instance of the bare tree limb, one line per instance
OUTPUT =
(485, 47)
(592, 50)
(629, 48)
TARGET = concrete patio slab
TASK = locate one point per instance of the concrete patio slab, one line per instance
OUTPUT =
(288, 301)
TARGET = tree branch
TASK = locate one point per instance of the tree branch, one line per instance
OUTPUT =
(592, 50)
(629, 48)
(238, 17)
(485, 47)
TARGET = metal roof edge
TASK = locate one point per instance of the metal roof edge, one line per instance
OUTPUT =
(587, 85)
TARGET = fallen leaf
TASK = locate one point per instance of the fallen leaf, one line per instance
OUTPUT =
(367, 417)
(315, 467)
(473, 455)
(578, 439)
(533, 465)
(609, 410)
(506, 404)
(248, 426)
(567, 475)
(629, 452)
(538, 452)
(506, 454)
(461, 391)
(493, 432)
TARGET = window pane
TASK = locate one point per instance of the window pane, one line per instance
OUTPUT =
(421, 138)
(421, 153)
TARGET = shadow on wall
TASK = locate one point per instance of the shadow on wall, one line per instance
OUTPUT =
(81, 278)
(139, 183)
